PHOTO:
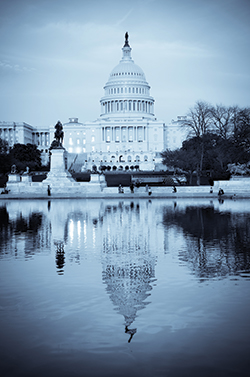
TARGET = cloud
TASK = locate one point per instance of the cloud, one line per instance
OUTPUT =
(6, 66)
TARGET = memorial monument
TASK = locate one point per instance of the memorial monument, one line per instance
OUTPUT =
(58, 160)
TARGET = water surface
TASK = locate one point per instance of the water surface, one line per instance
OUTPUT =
(124, 288)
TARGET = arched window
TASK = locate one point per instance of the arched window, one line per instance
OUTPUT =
(121, 158)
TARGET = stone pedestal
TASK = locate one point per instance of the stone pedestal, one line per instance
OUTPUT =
(58, 172)
(14, 178)
(95, 178)
(26, 178)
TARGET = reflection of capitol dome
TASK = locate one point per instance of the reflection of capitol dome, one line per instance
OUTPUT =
(129, 284)
(127, 90)
(128, 262)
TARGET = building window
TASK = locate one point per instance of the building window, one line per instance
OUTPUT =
(70, 141)
(92, 139)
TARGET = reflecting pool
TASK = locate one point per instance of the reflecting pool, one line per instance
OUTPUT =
(124, 288)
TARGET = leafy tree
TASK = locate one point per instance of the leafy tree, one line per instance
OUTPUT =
(241, 133)
(23, 155)
(4, 157)
(209, 153)
(4, 146)
(181, 158)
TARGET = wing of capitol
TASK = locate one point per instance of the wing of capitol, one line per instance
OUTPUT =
(127, 133)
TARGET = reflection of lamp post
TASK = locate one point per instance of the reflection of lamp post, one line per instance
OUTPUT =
(131, 332)
(58, 220)
(60, 258)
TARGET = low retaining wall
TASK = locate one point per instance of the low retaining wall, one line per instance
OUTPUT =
(231, 188)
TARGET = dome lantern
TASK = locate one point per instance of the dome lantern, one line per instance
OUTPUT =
(126, 49)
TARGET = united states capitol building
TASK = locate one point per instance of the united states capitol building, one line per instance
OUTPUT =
(126, 133)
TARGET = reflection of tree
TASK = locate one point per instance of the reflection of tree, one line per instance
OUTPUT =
(128, 266)
(218, 242)
(30, 225)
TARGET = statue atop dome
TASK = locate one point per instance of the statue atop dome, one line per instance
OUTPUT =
(126, 40)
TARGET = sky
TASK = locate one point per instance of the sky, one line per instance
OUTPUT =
(56, 55)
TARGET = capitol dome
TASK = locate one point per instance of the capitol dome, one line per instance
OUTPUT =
(127, 92)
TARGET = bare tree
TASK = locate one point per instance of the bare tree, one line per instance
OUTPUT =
(199, 122)
(199, 119)
(223, 119)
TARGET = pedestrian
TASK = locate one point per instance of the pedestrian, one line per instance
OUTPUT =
(49, 191)
(174, 189)
(221, 192)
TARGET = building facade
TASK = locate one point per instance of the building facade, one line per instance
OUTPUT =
(127, 132)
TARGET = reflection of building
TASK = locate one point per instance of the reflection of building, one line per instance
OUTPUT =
(128, 261)
(127, 133)
(123, 233)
